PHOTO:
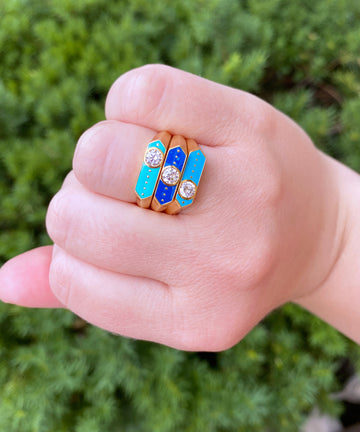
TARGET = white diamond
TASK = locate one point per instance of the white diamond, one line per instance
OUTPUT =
(187, 189)
(170, 175)
(153, 157)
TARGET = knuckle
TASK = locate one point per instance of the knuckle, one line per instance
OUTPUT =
(261, 118)
(69, 179)
(202, 336)
(260, 262)
(204, 324)
(57, 217)
(262, 179)
(190, 341)
(91, 152)
(143, 89)
(60, 278)
(197, 342)
(270, 190)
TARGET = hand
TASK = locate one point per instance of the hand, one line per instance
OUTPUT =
(264, 229)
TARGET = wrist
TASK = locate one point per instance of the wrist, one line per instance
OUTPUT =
(336, 298)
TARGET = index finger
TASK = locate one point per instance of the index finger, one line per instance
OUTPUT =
(164, 98)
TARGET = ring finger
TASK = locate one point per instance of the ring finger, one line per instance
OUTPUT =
(109, 155)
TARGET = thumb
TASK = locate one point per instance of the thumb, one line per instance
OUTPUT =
(24, 280)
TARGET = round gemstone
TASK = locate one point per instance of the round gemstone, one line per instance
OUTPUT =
(187, 189)
(170, 175)
(153, 157)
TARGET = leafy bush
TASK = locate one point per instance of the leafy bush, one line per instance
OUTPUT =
(58, 59)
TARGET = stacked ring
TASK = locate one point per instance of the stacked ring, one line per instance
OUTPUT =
(170, 174)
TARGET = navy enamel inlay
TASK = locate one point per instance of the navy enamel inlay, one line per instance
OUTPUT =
(176, 157)
(164, 193)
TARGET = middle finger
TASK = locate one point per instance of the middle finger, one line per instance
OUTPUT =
(116, 235)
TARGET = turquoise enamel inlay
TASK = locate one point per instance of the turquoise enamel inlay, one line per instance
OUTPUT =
(165, 193)
(193, 170)
(148, 176)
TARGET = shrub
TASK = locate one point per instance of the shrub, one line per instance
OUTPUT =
(58, 59)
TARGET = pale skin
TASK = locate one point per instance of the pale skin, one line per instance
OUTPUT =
(274, 221)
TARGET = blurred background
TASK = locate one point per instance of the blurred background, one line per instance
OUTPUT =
(57, 62)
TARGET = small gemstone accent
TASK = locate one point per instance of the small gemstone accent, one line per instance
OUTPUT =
(170, 175)
(187, 189)
(153, 157)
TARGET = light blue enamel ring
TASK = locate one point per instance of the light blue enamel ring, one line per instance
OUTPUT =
(150, 169)
(190, 180)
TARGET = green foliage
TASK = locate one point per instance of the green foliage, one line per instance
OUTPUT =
(58, 59)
